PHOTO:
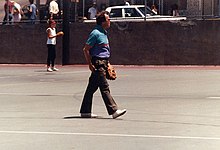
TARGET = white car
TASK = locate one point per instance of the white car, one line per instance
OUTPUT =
(137, 13)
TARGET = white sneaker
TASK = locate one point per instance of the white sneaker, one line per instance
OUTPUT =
(88, 115)
(54, 69)
(118, 113)
(49, 69)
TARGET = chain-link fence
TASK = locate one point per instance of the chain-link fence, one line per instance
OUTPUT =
(189, 8)
(202, 8)
(192, 9)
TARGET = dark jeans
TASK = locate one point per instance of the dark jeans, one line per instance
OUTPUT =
(5, 20)
(98, 80)
(51, 55)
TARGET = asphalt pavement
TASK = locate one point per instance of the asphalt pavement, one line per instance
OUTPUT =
(168, 108)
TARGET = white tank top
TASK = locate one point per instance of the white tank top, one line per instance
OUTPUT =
(53, 33)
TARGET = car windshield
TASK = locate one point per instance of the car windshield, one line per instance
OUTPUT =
(148, 11)
(131, 12)
(115, 13)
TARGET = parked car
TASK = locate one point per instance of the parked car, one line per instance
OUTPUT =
(137, 13)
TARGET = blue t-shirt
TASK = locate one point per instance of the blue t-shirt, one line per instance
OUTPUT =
(99, 41)
(33, 14)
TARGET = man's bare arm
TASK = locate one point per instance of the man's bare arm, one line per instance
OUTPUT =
(88, 57)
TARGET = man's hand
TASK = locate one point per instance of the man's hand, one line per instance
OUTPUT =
(91, 67)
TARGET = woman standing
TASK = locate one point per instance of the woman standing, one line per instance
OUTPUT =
(51, 45)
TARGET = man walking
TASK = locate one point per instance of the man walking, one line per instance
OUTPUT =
(8, 7)
(92, 12)
(97, 53)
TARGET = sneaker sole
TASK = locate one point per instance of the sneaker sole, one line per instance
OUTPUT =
(120, 114)
(96, 116)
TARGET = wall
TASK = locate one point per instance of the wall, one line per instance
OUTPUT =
(24, 44)
(151, 43)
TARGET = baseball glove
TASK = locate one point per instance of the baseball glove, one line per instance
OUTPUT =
(60, 33)
(111, 73)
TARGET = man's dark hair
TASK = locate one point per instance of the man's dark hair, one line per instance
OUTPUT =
(31, 1)
(101, 17)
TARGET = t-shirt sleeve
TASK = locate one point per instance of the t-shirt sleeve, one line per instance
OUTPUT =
(48, 29)
(91, 40)
(89, 10)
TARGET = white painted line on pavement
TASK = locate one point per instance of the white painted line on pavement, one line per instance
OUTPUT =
(112, 135)
(213, 97)
(36, 94)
